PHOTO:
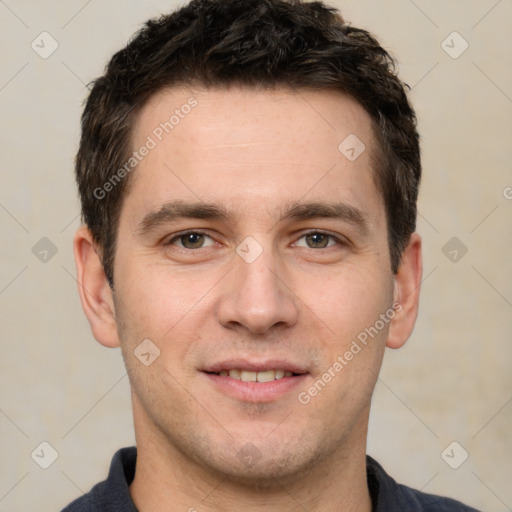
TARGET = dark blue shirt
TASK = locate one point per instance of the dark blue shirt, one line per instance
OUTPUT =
(113, 494)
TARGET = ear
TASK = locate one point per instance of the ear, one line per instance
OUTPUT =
(406, 293)
(95, 293)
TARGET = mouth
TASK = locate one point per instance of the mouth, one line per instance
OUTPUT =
(253, 376)
(255, 382)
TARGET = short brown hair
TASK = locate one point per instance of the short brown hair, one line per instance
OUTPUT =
(252, 43)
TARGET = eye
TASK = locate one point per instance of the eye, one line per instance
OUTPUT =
(192, 240)
(317, 240)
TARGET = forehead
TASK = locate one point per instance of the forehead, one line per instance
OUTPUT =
(253, 147)
(235, 112)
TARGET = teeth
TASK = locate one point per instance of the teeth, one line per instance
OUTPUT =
(266, 376)
(248, 376)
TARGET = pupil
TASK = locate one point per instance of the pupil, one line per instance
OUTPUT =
(318, 239)
(193, 240)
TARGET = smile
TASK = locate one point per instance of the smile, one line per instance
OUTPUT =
(251, 376)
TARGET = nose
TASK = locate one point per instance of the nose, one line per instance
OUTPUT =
(257, 296)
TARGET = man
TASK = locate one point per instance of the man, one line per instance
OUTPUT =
(248, 172)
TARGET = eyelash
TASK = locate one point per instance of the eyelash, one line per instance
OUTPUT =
(200, 232)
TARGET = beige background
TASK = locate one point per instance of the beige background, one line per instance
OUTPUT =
(451, 382)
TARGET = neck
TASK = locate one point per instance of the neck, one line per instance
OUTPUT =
(168, 480)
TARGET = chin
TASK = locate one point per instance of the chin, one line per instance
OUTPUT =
(262, 464)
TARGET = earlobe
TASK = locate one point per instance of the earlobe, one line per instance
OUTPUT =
(406, 293)
(95, 292)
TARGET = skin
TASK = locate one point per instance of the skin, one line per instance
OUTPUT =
(304, 299)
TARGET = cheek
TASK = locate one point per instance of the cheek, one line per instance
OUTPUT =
(163, 305)
(352, 347)
(157, 297)
(347, 301)
(348, 312)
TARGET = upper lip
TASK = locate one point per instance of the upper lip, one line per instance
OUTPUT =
(255, 366)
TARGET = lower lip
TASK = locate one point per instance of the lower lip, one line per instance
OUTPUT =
(256, 391)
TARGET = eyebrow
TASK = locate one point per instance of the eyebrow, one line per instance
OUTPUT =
(174, 210)
(329, 210)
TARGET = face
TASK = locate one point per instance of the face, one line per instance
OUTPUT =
(253, 246)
